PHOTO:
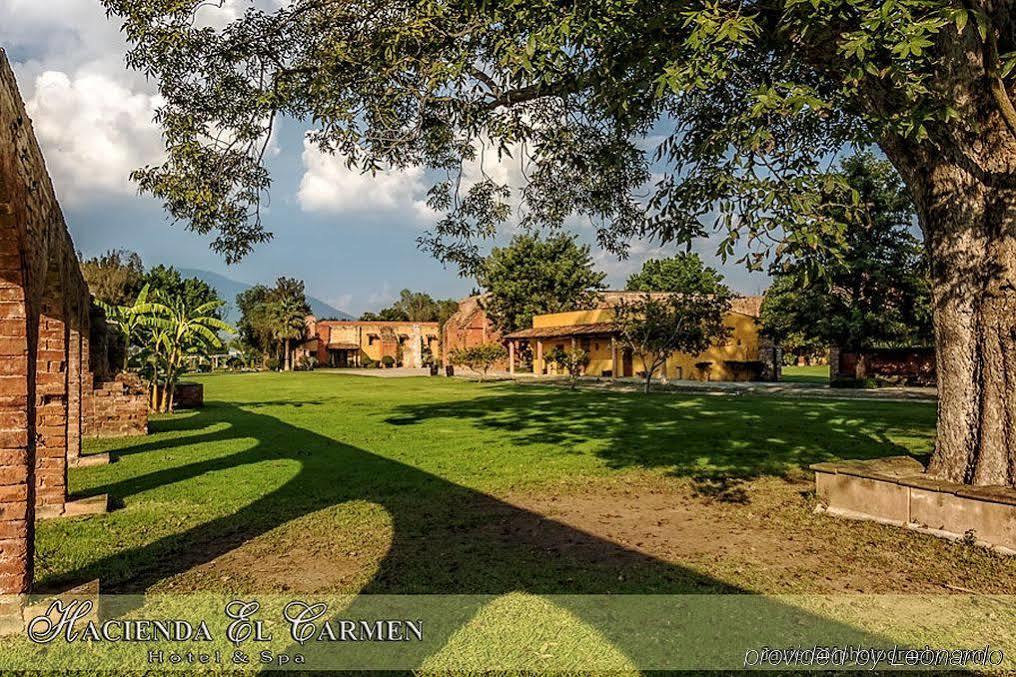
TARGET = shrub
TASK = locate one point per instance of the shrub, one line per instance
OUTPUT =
(479, 358)
(388, 361)
(573, 361)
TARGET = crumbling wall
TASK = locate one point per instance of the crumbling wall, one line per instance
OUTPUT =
(117, 408)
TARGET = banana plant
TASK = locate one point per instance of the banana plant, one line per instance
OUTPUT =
(184, 331)
(129, 319)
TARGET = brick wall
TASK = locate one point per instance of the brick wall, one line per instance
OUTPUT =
(42, 298)
(117, 408)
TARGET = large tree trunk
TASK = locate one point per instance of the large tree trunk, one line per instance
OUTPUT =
(968, 213)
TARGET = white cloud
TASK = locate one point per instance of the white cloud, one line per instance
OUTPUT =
(94, 132)
(328, 186)
(92, 116)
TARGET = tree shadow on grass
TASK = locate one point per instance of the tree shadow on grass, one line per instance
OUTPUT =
(446, 538)
(717, 441)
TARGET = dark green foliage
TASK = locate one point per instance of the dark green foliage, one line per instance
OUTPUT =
(871, 291)
(271, 315)
(114, 278)
(684, 273)
(167, 281)
(751, 100)
(414, 307)
(533, 276)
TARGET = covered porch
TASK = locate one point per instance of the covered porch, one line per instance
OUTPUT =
(344, 355)
(607, 357)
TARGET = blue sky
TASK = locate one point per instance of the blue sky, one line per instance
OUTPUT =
(352, 238)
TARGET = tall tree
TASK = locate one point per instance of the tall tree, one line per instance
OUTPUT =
(271, 318)
(255, 325)
(532, 276)
(288, 324)
(754, 99)
(114, 278)
(873, 289)
(684, 272)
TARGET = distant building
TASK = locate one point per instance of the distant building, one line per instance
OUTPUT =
(350, 343)
(745, 355)
(467, 328)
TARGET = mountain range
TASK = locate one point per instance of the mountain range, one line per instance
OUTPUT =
(228, 289)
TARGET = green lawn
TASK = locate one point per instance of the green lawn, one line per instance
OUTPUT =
(811, 374)
(327, 483)
(366, 463)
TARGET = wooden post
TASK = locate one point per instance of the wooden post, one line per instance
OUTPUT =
(613, 357)
(511, 357)
(539, 358)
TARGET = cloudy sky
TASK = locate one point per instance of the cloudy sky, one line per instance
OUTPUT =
(351, 237)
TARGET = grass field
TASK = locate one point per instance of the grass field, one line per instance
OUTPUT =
(325, 483)
(417, 476)
(810, 374)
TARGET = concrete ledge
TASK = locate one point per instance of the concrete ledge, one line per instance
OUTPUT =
(897, 491)
(17, 611)
(93, 505)
(90, 460)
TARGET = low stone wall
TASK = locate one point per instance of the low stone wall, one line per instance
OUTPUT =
(116, 408)
(897, 491)
(188, 396)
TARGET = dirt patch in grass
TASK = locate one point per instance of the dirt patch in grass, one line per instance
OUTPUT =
(317, 553)
(765, 537)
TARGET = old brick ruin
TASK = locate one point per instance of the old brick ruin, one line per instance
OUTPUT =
(46, 381)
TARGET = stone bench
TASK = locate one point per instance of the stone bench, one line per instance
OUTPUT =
(896, 490)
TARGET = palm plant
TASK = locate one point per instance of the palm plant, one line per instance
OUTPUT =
(129, 319)
(184, 331)
(288, 317)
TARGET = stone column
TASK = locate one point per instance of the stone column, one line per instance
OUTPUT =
(538, 367)
(75, 377)
(511, 356)
(51, 408)
(613, 357)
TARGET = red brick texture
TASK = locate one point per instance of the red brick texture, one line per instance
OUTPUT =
(43, 298)
(117, 408)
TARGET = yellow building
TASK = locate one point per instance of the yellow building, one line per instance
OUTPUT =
(743, 356)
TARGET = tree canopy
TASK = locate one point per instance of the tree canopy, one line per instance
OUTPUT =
(684, 272)
(746, 104)
(115, 277)
(414, 306)
(751, 100)
(532, 276)
(270, 317)
(874, 289)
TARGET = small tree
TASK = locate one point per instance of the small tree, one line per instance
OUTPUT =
(479, 358)
(655, 327)
(572, 360)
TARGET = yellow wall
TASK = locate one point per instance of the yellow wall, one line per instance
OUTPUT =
(573, 317)
(742, 345)
(360, 334)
